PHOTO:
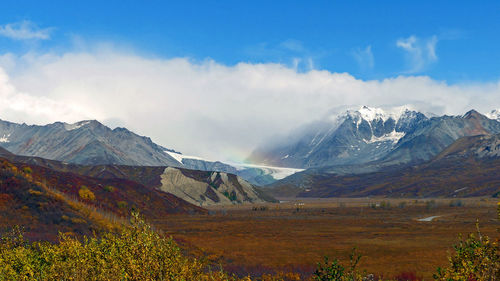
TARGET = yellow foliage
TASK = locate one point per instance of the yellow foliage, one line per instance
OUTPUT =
(35, 192)
(27, 170)
(135, 253)
(86, 194)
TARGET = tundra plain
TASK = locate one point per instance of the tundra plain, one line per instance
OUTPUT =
(393, 236)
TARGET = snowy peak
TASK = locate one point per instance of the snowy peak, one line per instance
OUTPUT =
(358, 135)
(374, 114)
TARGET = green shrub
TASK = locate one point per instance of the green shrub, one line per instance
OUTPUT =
(109, 188)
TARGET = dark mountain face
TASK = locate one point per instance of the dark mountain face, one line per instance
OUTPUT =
(373, 137)
(85, 142)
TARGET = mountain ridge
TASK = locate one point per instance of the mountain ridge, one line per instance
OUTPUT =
(84, 142)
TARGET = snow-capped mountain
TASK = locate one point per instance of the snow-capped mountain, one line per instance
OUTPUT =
(355, 137)
(352, 137)
(86, 142)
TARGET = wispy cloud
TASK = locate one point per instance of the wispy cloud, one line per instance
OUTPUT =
(290, 52)
(25, 30)
(420, 52)
(364, 57)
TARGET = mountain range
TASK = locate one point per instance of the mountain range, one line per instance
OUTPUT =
(373, 137)
(468, 167)
(91, 143)
(364, 141)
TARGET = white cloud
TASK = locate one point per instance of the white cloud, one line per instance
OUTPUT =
(24, 30)
(364, 57)
(206, 108)
(420, 52)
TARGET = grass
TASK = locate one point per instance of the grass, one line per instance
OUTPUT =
(297, 236)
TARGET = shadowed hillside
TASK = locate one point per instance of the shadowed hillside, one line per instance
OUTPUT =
(46, 201)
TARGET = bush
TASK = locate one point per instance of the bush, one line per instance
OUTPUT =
(135, 253)
(86, 194)
(27, 170)
(334, 271)
(329, 271)
(109, 188)
(475, 258)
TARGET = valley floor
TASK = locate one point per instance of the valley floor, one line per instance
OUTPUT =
(389, 233)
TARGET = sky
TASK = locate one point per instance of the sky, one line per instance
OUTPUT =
(218, 78)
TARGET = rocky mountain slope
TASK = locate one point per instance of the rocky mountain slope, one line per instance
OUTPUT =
(468, 167)
(215, 188)
(86, 142)
(374, 137)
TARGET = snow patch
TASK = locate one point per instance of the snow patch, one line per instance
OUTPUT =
(371, 113)
(179, 157)
(494, 114)
(392, 136)
(74, 126)
(5, 138)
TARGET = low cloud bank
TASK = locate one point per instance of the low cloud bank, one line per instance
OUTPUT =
(206, 108)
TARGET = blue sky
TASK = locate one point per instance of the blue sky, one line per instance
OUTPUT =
(217, 78)
(358, 37)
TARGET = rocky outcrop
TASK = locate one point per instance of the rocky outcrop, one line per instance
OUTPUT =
(208, 188)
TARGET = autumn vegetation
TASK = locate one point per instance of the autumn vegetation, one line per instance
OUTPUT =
(97, 243)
